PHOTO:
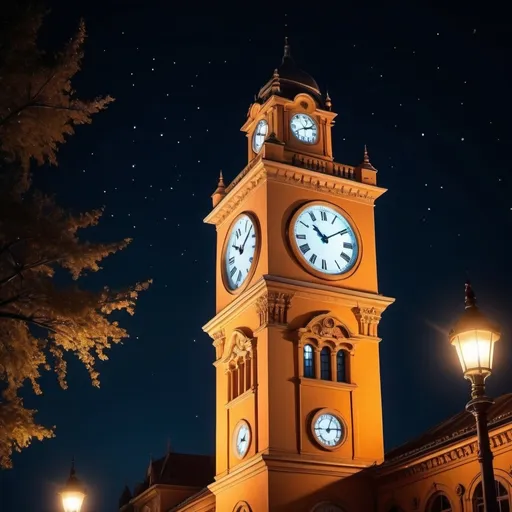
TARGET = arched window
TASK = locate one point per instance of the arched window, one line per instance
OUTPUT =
(325, 364)
(309, 367)
(341, 366)
(501, 496)
(439, 503)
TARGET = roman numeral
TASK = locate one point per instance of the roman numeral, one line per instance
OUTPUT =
(323, 215)
(232, 272)
(239, 277)
(253, 235)
(231, 260)
(333, 220)
(324, 265)
(246, 223)
(337, 264)
(347, 245)
(345, 256)
(238, 233)
(304, 248)
(301, 237)
(250, 259)
(312, 259)
(312, 215)
(303, 224)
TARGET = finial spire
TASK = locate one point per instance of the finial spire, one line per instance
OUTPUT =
(328, 102)
(286, 49)
(366, 160)
(220, 191)
(470, 297)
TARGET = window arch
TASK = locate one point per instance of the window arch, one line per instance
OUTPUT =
(309, 362)
(501, 496)
(341, 366)
(439, 503)
(325, 364)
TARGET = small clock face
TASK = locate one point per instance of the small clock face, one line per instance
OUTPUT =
(328, 430)
(242, 439)
(240, 251)
(258, 137)
(304, 128)
(324, 240)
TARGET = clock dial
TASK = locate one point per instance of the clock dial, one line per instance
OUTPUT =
(304, 128)
(324, 239)
(240, 251)
(258, 137)
(328, 430)
(242, 439)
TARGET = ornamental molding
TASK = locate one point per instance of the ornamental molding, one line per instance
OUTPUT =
(259, 170)
(326, 328)
(450, 455)
(272, 307)
(368, 319)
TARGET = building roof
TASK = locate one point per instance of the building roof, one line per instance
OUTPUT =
(182, 469)
(195, 497)
(291, 79)
(454, 429)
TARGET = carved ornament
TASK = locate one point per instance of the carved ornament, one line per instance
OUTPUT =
(273, 307)
(238, 346)
(325, 327)
(219, 339)
(368, 319)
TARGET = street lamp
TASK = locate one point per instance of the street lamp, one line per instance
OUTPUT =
(73, 494)
(474, 337)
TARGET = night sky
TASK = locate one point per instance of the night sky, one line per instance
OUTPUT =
(427, 90)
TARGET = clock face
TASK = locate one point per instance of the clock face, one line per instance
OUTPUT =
(242, 439)
(328, 430)
(304, 128)
(324, 239)
(258, 137)
(240, 251)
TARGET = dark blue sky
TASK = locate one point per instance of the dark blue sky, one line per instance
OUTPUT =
(426, 90)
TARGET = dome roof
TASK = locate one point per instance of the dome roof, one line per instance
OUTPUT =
(292, 81)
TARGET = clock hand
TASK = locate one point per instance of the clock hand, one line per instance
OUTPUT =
(243, 245)
(235, 247)
(341, 231)
(321, 235)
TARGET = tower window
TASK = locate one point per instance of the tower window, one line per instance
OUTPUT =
(325, 364)
(309, 367)
(501, 496)
(341, 366)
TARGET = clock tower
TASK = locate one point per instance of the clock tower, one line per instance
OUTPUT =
(298, 399)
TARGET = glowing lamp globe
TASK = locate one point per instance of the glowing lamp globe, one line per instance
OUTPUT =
(474, 337)
(73, 494)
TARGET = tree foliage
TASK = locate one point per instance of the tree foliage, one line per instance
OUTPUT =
(42, 318)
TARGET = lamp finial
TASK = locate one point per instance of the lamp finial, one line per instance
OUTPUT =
(470, 297)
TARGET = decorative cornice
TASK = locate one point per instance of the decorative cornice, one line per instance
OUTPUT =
(260, 170)
(451, 454)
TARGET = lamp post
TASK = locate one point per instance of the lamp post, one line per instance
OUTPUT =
(474, 337)
(73, 493)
